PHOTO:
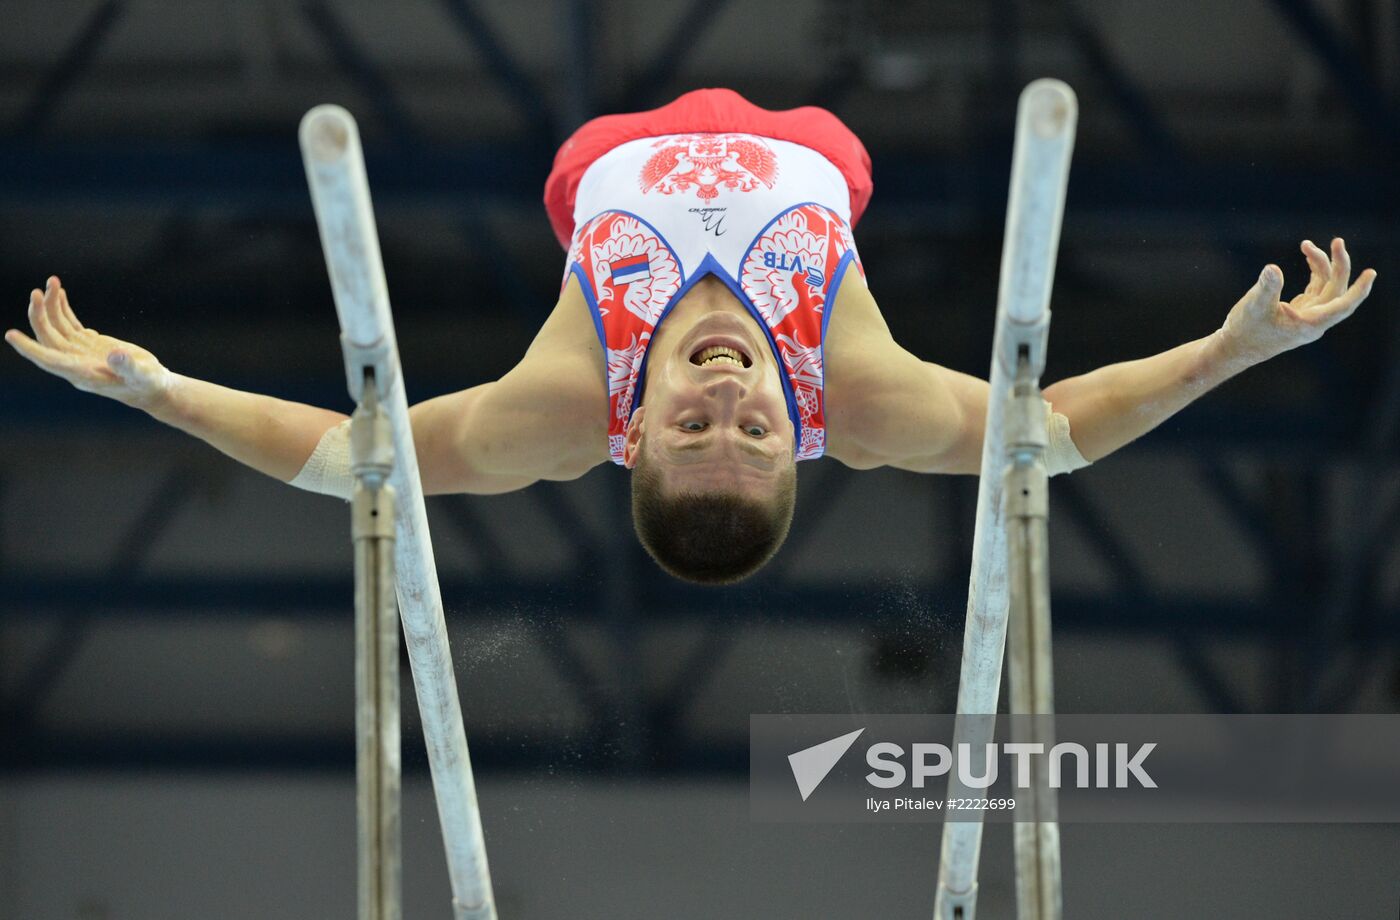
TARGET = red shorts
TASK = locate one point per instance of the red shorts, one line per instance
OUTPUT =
(705, 110)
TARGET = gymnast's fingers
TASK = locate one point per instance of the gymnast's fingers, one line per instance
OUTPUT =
(41, 355)
(1266, 292)
(1320, 266)
(1339, 308)
(1341, 269)
(58, 320)
(39, 321)
(69, 314)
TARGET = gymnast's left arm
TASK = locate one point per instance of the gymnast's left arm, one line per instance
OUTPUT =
(891, 409)
(1114, 405)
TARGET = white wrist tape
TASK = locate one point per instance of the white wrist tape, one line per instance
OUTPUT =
(327, 470)
(1061, 456)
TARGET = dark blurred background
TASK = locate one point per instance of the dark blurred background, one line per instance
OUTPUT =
(176, 682)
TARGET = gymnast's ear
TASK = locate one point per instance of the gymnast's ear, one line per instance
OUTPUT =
(633, 444)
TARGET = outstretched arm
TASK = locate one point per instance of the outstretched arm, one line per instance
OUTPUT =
(911, 414)
(545, 419)
(491, 438)
(510, 433)
(270, 435)
(1114, 405)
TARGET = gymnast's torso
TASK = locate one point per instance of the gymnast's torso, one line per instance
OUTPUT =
(768, 219)
(661, 222)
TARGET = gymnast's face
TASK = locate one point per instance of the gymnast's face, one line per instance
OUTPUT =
(715, 418)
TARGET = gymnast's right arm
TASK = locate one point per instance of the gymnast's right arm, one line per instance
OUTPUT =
(491, 438)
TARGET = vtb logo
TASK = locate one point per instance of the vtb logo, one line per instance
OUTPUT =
(786, 263)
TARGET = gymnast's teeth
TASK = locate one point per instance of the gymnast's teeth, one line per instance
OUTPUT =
(719, 354)
(721, 359)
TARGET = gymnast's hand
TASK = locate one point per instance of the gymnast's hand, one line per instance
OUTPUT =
(1262, 325)
(92, 362)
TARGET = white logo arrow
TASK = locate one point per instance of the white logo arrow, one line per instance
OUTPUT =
(811, 765)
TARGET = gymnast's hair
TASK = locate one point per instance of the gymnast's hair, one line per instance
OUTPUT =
(710, 538)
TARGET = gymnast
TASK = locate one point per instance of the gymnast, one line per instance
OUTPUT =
(713, 327)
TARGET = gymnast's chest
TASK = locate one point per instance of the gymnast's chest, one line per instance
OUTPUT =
(708, 196)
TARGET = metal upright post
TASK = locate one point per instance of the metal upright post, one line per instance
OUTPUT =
(378, 766)
(1045, 128)
(335, 172)
(1036, 833)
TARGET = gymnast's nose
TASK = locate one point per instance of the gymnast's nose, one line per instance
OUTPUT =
(727, 391)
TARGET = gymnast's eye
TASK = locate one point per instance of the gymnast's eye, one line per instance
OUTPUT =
(756, 431)
(693, 426)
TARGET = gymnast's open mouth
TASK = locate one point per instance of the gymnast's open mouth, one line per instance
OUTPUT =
(724, 353)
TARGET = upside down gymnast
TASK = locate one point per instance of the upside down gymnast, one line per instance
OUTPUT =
(714, 327)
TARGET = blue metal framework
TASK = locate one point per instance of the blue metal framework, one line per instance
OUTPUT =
(474, 27)
(1376, 112)
(68, 68)
(1323, 612)
(362, 71)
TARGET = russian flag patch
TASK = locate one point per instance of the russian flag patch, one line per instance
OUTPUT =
(630, 268)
